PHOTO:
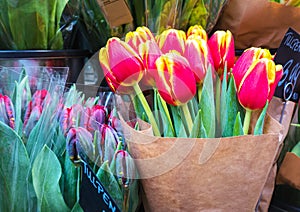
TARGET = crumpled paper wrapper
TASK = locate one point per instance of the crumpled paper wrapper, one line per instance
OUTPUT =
(188, 174)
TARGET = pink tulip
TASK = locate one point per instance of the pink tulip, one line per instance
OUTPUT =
(149, 52)
(140, 35)
(79, 144)
(198, 31)
(120, 63)
(176, 82)
(172, 40)
(198, 54)
(221, 44)
(7, 112)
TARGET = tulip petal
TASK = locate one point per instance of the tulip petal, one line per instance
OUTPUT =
(254, 89)
(176, 83)
(171, 39)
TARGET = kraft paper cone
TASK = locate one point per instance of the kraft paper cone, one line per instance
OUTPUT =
(289, 172)
(258, 23)
(189, 174)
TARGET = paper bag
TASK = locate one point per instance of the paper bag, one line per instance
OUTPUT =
(258, 23)
(289, 172)
(196, 174)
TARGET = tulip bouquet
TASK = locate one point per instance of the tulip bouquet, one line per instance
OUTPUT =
(199, 90)
(198, 99)
(43, 130)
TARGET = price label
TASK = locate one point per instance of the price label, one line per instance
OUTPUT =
(288, 55)
(93, 196)
(116, 12)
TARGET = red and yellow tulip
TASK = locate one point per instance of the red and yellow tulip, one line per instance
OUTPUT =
(198, 31)
(172, 40)
(176, 82)
(198, 54)
(256, 77)
(140, 35)
(120, 63)
(221, 44)
(245, 61)
(149, 52)
(258, 84)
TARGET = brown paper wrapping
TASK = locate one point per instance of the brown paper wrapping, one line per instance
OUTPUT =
(289, 172)
(258, 23)
(275, 109)
(196, 174)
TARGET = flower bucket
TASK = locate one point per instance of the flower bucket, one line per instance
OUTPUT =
(187, 174)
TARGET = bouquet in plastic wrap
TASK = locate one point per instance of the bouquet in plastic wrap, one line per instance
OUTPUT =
(44, 128)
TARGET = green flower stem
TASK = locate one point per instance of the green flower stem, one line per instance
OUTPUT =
(247, 121)
(188, 117)
(199, 86)
(147, 109)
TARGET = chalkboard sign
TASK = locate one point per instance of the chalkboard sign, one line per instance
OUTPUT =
(93, 196)
(288, 55)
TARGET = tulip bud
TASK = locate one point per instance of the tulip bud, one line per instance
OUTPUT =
(140, 35)
(198, 31)
(149, 52)
(221, 44)
(124, 168)
(34, 117)
(258, 83)
(120, 63)
(198, 54)
(93, 117)
(34, 110)
(171, 39)
(106, 143)
(176, 82)
(7, 112)
(68, 117)
(79, 144)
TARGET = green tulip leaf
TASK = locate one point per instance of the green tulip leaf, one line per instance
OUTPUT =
(178, 125)
(70, 178)
(18, 94)
(45, 129)
(196, 130)
(168, 129)
(232, 108)
(258, 129)
(46, 173)
(207, 105)
(14, 171)
(203, 133)
(110, 183)
(223, 101)
(238, 126)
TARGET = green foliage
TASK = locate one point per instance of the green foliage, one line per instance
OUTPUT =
(46, 172)
(39, 28)
(207, 105)
(15, 170)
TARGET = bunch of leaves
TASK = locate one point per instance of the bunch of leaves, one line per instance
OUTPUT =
(201, 12)
(217, 97)
(31, 24)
